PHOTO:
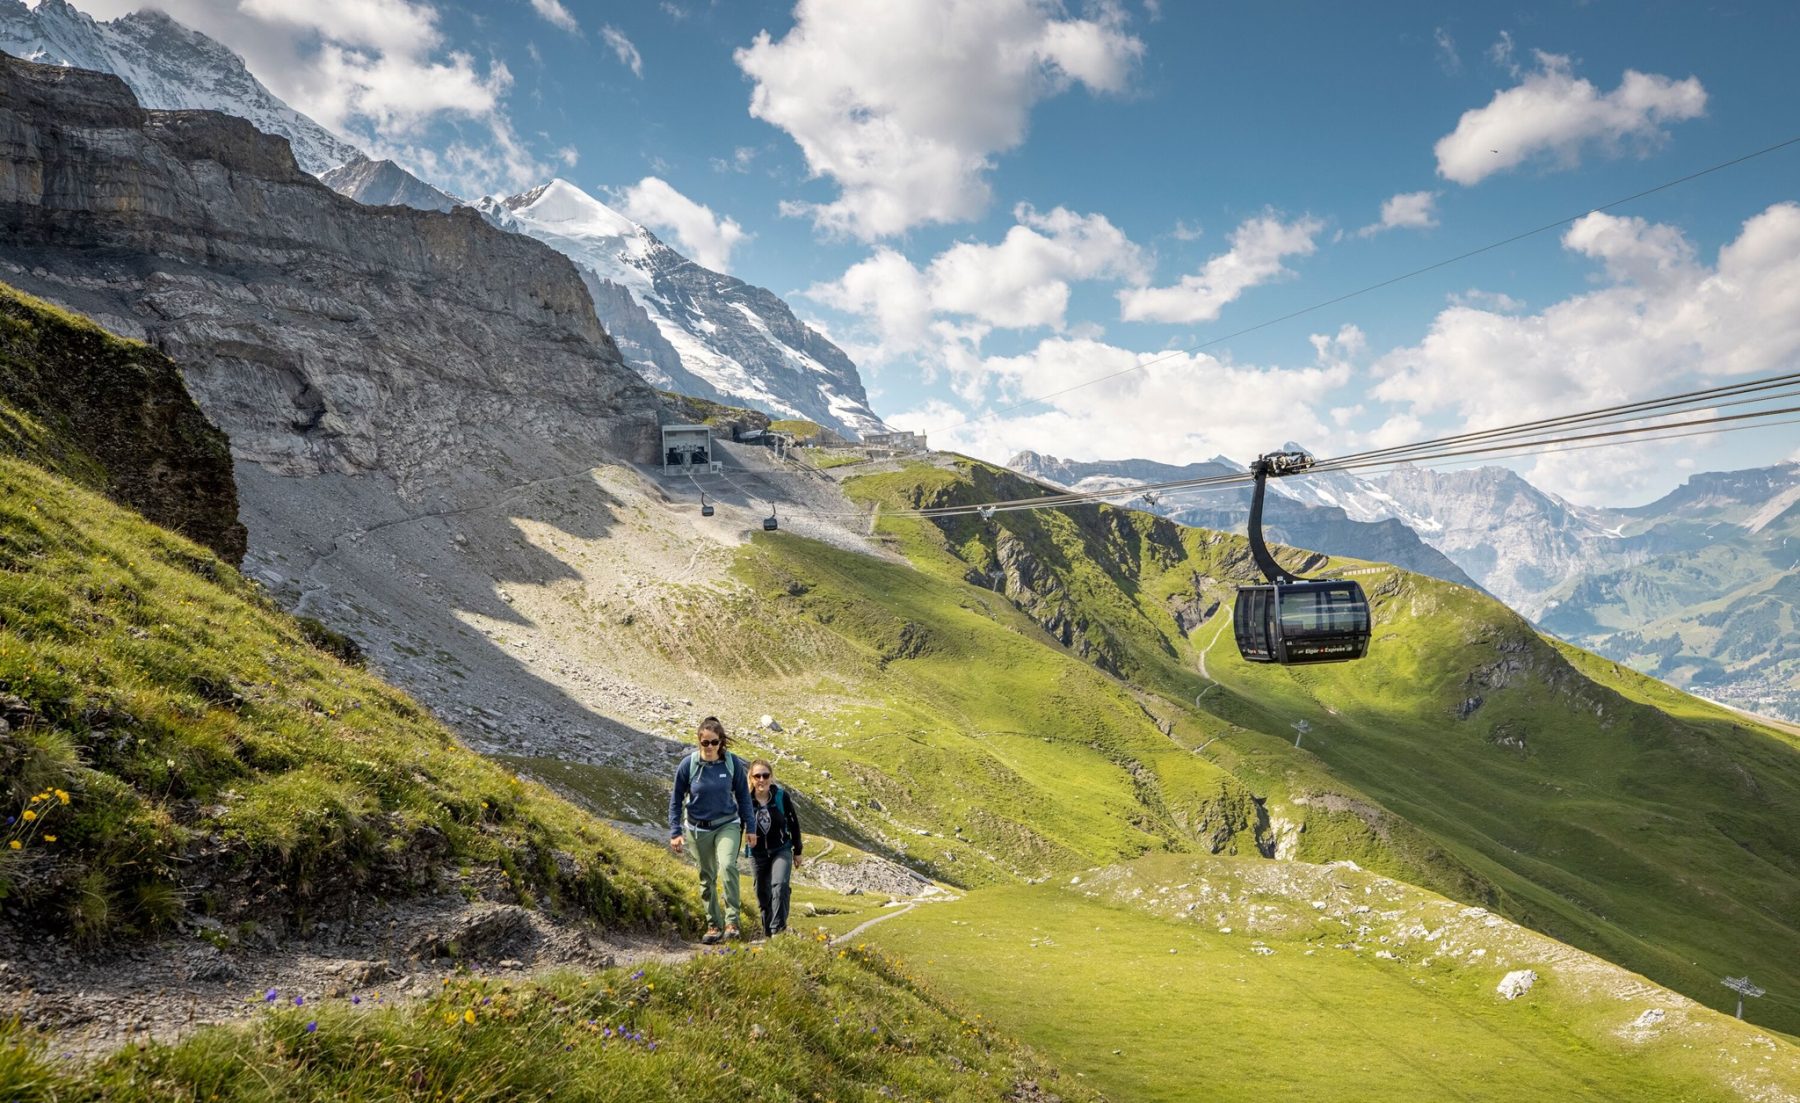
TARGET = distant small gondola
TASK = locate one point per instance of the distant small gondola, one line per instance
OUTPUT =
(770, 523)
(706, 507)
(1292, 620)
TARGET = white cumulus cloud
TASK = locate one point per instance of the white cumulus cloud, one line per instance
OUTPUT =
(1413, 210)
(1177, 408)
(1258, 247)
(704, 236)
(1020, 282)
(1553, 115)
(905, 106)
(1664, 319)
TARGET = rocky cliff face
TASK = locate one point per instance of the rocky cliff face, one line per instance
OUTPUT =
(113, 415)
(1519, 541)
(687, 328)
(166, 66)
(322, 335)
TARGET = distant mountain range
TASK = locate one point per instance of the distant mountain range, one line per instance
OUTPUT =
(1700, 588)
(1286, 519)
(679, 325)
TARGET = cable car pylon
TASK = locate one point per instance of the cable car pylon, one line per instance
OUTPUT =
(1289, 619)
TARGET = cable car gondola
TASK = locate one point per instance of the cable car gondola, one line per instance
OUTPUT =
(706, 507)
(770, 524)
(1291, 620)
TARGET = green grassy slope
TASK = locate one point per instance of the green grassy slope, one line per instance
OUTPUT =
(797, 1022)
(173, 742)
(1665, 841)
(1180, 978)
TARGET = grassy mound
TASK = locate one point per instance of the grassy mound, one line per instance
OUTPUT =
(171, 742)
(798, 1021)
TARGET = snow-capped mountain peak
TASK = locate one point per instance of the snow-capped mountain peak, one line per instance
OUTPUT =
(684, 327)
(572, 211)
(167, 66)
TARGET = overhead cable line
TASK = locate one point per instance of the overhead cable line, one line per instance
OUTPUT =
(1389, 282)
(1487, 442)
(1624, 411)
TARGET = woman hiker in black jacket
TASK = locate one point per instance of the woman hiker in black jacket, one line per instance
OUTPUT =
(777, 845)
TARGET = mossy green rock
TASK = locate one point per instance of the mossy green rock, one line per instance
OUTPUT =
(113, 415)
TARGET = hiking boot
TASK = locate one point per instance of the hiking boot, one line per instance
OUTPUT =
(711, 936)
(731, 931)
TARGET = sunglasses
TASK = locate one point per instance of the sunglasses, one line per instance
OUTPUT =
(709, 742)
(761, 777)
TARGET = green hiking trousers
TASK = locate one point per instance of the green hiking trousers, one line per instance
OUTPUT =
(717, 853)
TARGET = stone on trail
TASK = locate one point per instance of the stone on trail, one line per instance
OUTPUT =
(769, 723)
(1517, 983)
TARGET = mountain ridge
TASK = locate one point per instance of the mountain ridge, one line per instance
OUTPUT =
(685, 327)
(168, 66)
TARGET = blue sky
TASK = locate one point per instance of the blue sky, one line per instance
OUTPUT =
(984, 200)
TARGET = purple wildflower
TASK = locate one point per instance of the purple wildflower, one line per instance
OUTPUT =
(639, 975)
(312, 1027)
(299, 1001)
(271, 996)
(355, 999)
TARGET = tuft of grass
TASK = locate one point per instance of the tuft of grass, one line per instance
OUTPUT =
(795, 1021)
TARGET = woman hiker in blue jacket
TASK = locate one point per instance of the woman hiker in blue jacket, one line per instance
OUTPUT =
(712, 785)
(776, 851)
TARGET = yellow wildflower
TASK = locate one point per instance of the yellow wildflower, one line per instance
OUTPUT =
(49, 838)
(16, 844)
(469, 1016)
(30, 815)
(62, 795)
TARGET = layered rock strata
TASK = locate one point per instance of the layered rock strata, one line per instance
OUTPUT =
(321, 334)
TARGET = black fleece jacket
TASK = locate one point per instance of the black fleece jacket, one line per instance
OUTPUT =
(784, 830)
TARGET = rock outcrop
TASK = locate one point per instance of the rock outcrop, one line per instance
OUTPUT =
(113, 414)
(323, 335)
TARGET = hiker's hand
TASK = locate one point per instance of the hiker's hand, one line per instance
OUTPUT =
(750, 839)
(796, 861)
(675, 844)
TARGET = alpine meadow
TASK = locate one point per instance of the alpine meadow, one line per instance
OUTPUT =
(941, 550)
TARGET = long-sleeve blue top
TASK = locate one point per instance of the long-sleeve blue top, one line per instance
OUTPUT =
(713, 797)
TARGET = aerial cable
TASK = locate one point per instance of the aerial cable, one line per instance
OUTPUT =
(1513, 450)
(1554, 450)
(1389, 282)
(1642, 408)
(1481, 443)
(1655, 431)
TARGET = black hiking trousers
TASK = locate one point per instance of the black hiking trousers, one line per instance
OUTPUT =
(774, 885)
